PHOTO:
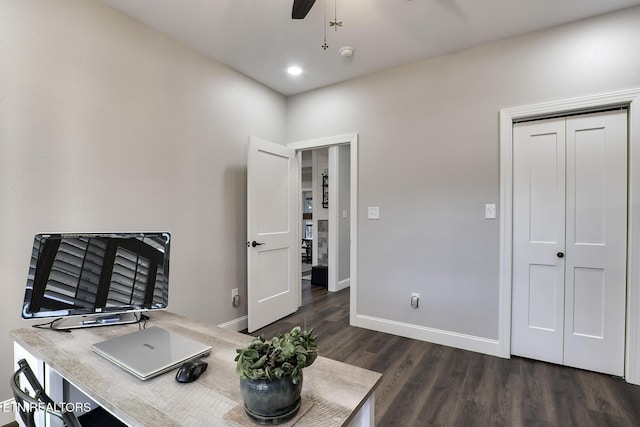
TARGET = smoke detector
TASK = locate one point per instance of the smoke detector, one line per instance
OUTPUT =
(346, 51)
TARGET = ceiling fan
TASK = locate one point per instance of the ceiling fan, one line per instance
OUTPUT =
(301, 8)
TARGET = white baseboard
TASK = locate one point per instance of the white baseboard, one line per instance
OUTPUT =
(239, 324)
(436, 336)
(343, 284)
(6, 412)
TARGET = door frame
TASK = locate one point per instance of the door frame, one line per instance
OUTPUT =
(630, 99)
(350, 139)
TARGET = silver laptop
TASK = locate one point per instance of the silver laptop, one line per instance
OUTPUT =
(151, 351)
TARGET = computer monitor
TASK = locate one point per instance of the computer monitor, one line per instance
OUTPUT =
(95, 277)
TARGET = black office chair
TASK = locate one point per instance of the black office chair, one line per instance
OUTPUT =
(27, 404)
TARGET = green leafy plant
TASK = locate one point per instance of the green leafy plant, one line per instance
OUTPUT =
(285, 354)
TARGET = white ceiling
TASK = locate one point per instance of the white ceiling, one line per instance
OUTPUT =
(258, 37)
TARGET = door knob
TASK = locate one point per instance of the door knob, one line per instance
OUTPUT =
(254, 244)
(560, 254)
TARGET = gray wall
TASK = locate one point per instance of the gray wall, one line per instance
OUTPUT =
(106, 125)
(428, 156)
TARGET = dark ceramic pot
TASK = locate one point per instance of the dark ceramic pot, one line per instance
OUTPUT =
(271, 401)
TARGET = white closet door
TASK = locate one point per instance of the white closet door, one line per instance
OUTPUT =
(596, 254)
(569, 241)
(538, 235)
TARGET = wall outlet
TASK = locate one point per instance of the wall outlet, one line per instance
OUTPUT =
(235, 297)
(415, 300)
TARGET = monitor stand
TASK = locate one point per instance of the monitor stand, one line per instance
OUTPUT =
(93, 320)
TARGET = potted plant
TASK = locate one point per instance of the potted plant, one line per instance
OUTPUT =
(271, 374)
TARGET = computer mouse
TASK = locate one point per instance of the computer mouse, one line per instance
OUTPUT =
(191, 370)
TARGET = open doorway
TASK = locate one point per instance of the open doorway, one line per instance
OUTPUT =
(274, 279)
(328, 190)
(325, 183)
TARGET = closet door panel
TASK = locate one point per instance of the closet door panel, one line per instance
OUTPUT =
(538, 233)
(596, 232)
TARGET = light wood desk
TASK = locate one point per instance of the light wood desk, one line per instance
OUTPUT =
(341, 394)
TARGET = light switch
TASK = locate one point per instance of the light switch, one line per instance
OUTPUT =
(373, 212)
(490, 211)
(345, 214)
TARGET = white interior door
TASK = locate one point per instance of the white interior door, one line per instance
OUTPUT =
(596, 242)
(272, 249)
(538, 236)
(569, 248)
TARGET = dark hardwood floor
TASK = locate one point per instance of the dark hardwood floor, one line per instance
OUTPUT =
(426, 384)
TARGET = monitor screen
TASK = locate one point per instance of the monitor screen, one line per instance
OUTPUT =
(90, 273)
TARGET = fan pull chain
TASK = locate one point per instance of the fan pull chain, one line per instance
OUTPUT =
(335, 23)
(325, 46)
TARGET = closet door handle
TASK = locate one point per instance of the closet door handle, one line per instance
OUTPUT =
(560, 254)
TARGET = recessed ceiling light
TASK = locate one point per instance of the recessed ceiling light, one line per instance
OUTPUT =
(294, 71)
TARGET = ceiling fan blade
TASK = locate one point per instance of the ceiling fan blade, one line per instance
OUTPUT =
(301, 8)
